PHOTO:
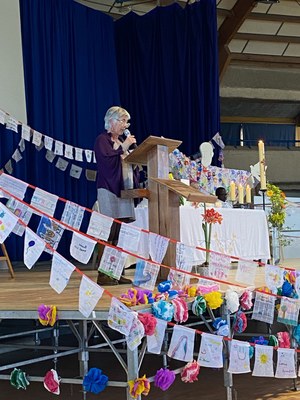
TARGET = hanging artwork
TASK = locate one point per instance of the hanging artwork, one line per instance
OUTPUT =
(263, 365)
(210, 353)
(182, 343)
(264, 307)
(239, 360)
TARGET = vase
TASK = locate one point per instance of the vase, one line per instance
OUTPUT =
(275, 246)
(202, 269)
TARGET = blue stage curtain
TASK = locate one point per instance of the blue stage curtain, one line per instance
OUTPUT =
(231, 133)
(168, 72)
(70, 81)
(271, 134)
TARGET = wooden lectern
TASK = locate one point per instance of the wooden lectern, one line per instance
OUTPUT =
(163, 193)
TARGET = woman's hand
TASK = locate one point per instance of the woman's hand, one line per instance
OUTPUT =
(128, 142)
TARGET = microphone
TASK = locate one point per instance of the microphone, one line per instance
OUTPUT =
(127, 133)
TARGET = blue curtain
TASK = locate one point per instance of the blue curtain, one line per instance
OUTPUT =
(168, 72)
(70, 81)
(271, 134)
(230, 133)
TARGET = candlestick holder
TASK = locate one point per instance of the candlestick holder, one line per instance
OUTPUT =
(264, 198)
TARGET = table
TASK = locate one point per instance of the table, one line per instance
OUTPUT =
(243, 233)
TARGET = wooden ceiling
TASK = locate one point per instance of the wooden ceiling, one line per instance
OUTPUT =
(259, 54)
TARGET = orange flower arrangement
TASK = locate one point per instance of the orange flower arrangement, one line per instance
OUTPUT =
(210, 217)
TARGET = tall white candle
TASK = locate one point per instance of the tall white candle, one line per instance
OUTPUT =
(261, 150)
(232, 191)
(248, 194)
(241, 194)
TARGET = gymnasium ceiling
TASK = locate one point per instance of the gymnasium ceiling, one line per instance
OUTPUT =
(259, 55)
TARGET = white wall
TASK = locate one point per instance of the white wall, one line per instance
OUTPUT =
(12, 93)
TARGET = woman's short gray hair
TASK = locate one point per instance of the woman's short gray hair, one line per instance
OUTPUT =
(114, 112)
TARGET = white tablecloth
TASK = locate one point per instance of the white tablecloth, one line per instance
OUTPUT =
(242, 233)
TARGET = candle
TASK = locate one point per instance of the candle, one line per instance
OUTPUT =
(248, 194)
(263, 179)
(261, 150)
(232, 191)
(241, 194)
(262, 170)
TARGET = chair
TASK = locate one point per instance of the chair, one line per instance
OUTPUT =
(6, 258)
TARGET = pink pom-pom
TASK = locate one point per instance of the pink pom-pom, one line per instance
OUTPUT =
(190, 372)
(149, 322)
(284, 340)
(181, 313)
(246, 300)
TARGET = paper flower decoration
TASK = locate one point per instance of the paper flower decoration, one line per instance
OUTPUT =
(139, 386)
(190, 372)
(259, 340)
(94, 381)
(18, 379)
(181, 312)
(51, 382)
(163, 310)
(210, 217)
(273, 341)
(164, 378)
(221, 326)
(47, 315)
(296, 333)
(199, 306)
(239, 322)
(149, 322)
(214, 300)
(284, 340)
(135, 297)
(246, 300)
(232, 300)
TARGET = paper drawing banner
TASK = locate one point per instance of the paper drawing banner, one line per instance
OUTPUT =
(112, 262)
(50, 231)
(81, 247)
(99, 226)
(182, 343)
(155, 341)
(137, 332)
(72, 215)
(120, 317)
(219, 266)
(158, 247)
(184, 262)
(286, 363)
(8, 220)
(264, 306)
(239, 360)
(246, 272)
(129, 238)
(13, 186)
(44, 201)
(273, 277)
(89, 295)
(61, 271)
(33, 248)
(263, 365)
(22, 211)
(146, 274)
(143, 249)
(210, 353)
(288, 311)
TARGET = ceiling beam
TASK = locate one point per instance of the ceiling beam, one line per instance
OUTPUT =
(229, 28)
(259, 58)
(274, 17)
(267, 38)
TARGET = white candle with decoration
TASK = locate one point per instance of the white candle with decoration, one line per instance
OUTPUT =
(262, 165)
(248, 194)
(241, 194)
(232, 191)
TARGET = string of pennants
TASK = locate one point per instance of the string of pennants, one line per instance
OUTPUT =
(15, 216)
(54, 148)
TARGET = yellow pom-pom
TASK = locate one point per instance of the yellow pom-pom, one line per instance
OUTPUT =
(214, 300)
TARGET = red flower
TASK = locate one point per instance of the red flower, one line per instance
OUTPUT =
(212, 217)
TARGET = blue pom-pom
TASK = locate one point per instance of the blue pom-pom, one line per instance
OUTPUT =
(94, 381)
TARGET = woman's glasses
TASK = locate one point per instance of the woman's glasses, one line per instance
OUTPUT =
(124, 121)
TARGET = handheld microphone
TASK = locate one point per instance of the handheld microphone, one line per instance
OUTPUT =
(127, 133)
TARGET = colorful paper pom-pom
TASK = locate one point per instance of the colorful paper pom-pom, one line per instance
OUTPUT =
(284, 340)
(239, 322)
(232, 300)
(47, 314)
(246, 300)
(221, 326)
(181, 312)
(163, 310)
(164, 286)
(164, 378)
(296, 333)
(149, 322)
(94, 381)
(190, 372)
(18, 379)
(273, 341)
(139, 386)
(51, 382)
(214, 300)
(199, 306)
